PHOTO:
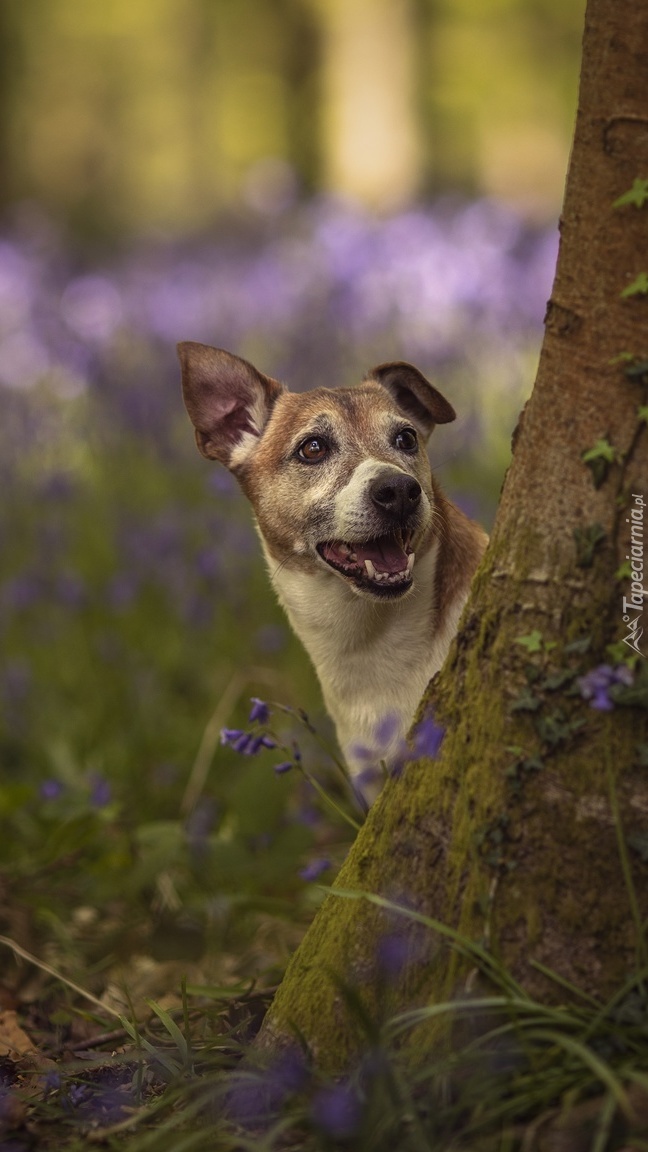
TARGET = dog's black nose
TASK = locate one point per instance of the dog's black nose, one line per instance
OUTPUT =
(396, 494)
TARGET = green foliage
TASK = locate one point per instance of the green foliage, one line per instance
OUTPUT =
(533, 642)
(129, 597)
(587, 539)
(637, 195)
(598, 459)
(638, 287)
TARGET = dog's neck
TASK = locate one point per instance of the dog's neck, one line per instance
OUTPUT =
(373, 660)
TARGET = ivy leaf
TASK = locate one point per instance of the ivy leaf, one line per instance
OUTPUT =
(639, 287)
(598, 460)
(579, 647)
(637, 369)
(638, 195)
(587, 540)
(526, 702)
(619, 653)
(602, 450)
(555, 728)
(636, 696)
(532, 642)
(624, 572)
(642, 413)
(559, 679)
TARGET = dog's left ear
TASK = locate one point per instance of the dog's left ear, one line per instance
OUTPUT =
(414, 395)
(228, 400)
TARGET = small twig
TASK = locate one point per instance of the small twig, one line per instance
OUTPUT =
(44, 967)
(91, 1042)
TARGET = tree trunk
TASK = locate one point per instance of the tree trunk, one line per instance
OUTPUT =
(515, 835)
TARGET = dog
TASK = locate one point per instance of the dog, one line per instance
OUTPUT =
(369, 559)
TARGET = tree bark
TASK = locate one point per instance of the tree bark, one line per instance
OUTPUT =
(517, 835)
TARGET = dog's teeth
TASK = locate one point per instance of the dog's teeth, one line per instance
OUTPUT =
(371, 571)
(410, 563)
(353, 557)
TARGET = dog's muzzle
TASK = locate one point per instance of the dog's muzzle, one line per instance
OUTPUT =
(381, 565)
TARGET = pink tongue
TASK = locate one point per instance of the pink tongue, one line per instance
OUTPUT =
(385, 554)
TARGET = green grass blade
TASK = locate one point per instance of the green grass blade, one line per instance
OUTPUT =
(598, 1067)
(173, 1030)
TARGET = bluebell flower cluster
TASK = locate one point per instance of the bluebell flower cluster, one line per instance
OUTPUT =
(426, 740)
(337, 1110)
(314, 869)
(94, 786)
(437, 277)
(595, 685)
(247, 743)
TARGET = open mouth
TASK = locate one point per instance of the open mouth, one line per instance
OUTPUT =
(383, 566)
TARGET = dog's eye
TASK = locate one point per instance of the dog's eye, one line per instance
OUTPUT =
(406, 440)
(314, 449)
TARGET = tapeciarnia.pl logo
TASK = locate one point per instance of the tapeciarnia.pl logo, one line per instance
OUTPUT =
(633, 604)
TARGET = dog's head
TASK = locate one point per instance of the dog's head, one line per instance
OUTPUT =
(339, 479)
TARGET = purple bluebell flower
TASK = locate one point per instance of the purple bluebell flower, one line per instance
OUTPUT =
(284, 767)
(315, 869)
(387, 730)
(259, 713)
(244, 744)
(77, 1094)
(428, 737)
(365, 753)
(337, 1110)
(595, 685)
(367, 778)
(231, 735)
(50, 789)
(100, 790)
(307, 815)
(52, 1082)
(255, 1097)
(247, 743)
(200, 822)
(392, 953)
(261, 742)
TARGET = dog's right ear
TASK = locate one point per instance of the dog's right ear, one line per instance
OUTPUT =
(228, 401)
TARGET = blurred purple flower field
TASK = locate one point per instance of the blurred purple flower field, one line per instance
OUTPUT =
(314, 295)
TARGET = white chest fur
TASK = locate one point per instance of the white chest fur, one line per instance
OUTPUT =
(373, 659)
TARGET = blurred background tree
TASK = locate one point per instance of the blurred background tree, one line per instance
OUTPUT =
(162, 114)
